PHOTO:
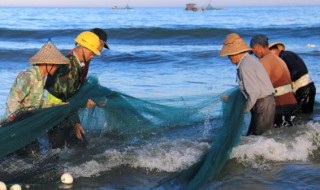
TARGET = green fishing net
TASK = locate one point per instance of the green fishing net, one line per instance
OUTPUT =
(128, 117)
(211, 163)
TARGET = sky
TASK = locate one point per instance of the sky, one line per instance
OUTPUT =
(153, 3)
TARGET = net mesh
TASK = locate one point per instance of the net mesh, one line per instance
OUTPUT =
(44, 168)
(126, 116)
(211, 163)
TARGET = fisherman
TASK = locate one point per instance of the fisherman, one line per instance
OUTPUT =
(286, 104)
(303, 88)
(27, 91)
(254, 83)
(103, 44)
(68, 80)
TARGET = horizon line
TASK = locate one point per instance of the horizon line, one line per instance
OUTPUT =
(83, 6)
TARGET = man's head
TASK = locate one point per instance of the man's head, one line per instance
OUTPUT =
(89, 44)
(89, 40)
(234, 47)
(102, 36)
(260, 45)
(49, 57)
(276, 48)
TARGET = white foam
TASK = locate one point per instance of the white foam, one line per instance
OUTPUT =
(169, 156)
(297, 143)
(311, 45)
(288, 144)
(87, 169)
(165, 155)
(101, 163)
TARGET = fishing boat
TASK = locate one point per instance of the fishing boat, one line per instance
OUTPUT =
(125, 7)
(209, 7)
(193, 7)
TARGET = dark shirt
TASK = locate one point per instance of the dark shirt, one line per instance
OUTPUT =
(295, 64)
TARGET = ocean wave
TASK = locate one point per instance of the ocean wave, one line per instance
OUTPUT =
(160, 35)
(166, 155)
(298, 143)
(18, 34)
(122, 54)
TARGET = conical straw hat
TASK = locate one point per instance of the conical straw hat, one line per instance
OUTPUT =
(279, 45)
(234, 44)
(49, 54)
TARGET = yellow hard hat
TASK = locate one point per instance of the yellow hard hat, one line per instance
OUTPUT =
(89, 40)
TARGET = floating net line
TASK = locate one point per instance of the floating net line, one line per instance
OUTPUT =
(126, 116)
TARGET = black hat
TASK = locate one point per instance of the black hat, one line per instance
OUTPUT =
(102, 35)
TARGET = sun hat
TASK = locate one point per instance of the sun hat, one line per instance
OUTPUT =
(102, 36)
(279, 45)
(49, 54)
(234, 44)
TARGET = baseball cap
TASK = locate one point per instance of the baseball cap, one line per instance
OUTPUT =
(102, 35)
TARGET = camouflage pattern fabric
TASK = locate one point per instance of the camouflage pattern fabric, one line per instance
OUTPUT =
(26, 92)
(67, 79)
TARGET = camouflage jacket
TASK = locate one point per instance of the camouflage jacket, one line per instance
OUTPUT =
(67, 80)
(26, 92)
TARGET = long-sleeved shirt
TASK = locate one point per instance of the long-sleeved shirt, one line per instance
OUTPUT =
(253, 80)
(26, 92)
(67, 79)
(279, 76)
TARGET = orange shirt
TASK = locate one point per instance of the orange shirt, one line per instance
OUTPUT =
(279, 76)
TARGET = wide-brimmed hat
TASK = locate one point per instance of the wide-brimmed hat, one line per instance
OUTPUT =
(234, 44)
(279, 45)
(49, 54)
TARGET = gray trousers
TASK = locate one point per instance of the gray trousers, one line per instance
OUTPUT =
(262, 115)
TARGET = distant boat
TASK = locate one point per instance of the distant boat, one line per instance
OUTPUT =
(126, 7)
(193, 7)
(209, 7)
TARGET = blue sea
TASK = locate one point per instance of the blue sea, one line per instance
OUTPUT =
(170, 53)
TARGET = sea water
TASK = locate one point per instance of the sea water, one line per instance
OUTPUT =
(171, 53)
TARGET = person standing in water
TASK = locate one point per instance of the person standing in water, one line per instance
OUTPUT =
(27, 91)
(303, 87)
(67, 81)
(254, 84)
(286, 103)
